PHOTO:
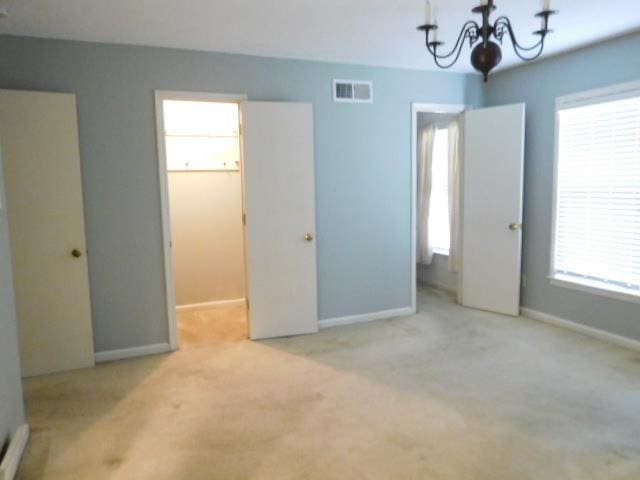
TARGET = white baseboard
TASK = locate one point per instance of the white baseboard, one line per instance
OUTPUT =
(11, 460)
(111, 355)
(583, 329)
(194, 307)
(439, 286)
(365, 317)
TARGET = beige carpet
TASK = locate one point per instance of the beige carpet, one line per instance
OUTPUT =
(450, 394)
(212, 326)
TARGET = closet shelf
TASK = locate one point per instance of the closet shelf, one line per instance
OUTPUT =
(201, 136)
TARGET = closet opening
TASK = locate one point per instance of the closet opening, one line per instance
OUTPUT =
(437, 157)
(200, 174)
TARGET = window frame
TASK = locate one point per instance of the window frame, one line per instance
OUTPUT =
(585, 98)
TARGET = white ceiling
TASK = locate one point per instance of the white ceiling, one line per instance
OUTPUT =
(371, 32)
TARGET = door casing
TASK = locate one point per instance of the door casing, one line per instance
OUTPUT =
(160, 97)
(417, 108)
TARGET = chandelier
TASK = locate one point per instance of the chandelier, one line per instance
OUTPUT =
(487, 54)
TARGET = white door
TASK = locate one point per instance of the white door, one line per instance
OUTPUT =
(39, 134)
(279, 208)
(492, 208)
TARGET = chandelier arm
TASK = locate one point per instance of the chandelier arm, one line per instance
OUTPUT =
(503, 22)
(459, 45)
(464, 33)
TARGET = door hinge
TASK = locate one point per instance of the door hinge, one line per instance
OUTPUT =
(247, 302)
(244, 218)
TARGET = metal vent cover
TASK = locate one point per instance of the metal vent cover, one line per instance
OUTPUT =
(352, 91)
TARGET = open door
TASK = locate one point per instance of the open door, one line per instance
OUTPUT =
(279, 213)
(492, 209)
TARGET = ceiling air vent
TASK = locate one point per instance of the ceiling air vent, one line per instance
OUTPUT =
(352, 91)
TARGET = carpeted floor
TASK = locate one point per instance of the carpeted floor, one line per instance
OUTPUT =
(212, 326)
(448, 394)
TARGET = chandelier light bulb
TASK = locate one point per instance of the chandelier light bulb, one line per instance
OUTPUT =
(428, 14)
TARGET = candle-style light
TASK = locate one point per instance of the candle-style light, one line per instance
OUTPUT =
(428, 14)
(487, 54)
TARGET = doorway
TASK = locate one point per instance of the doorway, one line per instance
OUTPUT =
(485, 203)
(436, 128)
(200, 167)
(266, 144)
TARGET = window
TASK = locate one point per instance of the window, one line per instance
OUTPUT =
(597, 208)
(201, 135)
(439, 203)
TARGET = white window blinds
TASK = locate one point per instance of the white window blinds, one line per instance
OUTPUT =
(597, 218)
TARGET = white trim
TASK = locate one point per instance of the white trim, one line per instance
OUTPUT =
(366, 317)
(166, 222)
(195, 307)
(583, 329)
(598, 95)
(153, 349)
(200, 96)
(596, 288)
(438, 108)
(441, 251)
(160, 96)
(554, 195)
(439, 286)
(11, 460)
(415, 109)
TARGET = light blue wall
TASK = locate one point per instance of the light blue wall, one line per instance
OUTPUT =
(538, 84)
(362, 167)
(11, 411)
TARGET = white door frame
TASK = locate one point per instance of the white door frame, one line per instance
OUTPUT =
(415, 109)
(160, 96)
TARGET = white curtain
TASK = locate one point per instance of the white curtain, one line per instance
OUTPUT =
(425, 157)
(454, 195)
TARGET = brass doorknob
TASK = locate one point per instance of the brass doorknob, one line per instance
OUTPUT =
(515, 226)
(308, 237)
(75, 253)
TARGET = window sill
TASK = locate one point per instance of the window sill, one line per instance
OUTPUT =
(618, 293)
(441, 252)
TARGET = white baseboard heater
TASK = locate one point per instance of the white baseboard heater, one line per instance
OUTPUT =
(11, 459)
